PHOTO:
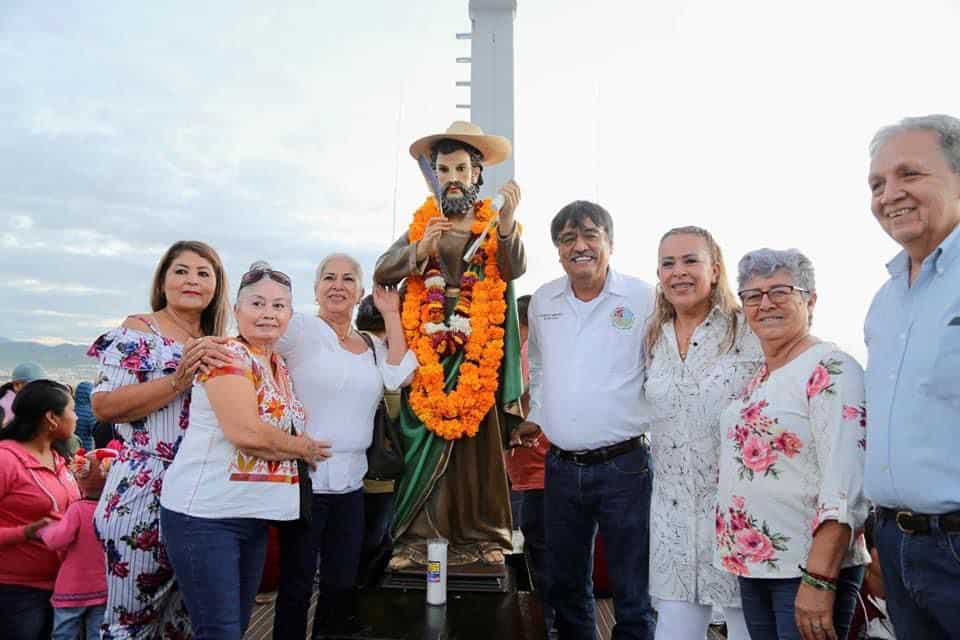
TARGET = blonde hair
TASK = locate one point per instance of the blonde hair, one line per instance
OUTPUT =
(213, 320)
(721, 296)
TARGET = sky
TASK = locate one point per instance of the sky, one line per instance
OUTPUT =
(279, 131)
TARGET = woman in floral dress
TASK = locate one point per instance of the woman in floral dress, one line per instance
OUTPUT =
(790, 500)
(700, 354)
(147, 367)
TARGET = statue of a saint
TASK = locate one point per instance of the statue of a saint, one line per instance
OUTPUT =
(460, 318)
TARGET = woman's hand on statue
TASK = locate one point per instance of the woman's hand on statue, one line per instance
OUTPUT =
(511, 196)
(386, 299)
(429, 244)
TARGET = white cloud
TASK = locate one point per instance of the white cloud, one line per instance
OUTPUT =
(76, 123)
(85, 320)
(52, 341)
(31, 285)
(21, 222)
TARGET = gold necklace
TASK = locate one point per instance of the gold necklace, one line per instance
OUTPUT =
(342, 338)
(176, 320)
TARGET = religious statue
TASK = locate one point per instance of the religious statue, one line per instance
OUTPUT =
(459, 315)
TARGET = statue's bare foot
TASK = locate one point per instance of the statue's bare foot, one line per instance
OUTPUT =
(491, 554)
(402, 559)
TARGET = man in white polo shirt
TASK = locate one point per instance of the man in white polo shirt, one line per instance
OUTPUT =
(586, 377)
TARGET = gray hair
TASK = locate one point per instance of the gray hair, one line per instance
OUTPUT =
(354, 266)
(946, 127)
(765, 262)
(259, 265)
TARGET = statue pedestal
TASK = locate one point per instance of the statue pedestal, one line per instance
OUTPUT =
(479, 577)
(395, 612)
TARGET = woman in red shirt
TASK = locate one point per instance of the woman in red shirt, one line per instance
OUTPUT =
(36, 487)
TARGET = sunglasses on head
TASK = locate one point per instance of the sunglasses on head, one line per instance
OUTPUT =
(256, 275)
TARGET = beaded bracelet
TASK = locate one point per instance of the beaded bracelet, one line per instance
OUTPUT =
(817, 581)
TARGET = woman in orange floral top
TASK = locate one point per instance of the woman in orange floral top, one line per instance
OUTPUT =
(236, 470)
(790, 498)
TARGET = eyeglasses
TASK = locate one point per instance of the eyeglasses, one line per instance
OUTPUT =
(778, 294)
(256, 275)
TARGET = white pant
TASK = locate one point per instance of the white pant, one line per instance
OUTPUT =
(689, 621)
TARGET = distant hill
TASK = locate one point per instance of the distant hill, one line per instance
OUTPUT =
(61, 356)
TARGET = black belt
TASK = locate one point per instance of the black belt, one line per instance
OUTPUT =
(603, 454)
(920, 523)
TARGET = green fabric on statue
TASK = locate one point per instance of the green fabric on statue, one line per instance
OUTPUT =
(426, 454)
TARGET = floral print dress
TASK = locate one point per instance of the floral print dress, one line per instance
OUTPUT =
(792, 457)
(142, 597)
(687, 397)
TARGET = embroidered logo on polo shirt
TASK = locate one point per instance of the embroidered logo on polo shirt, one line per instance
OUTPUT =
(622, 318)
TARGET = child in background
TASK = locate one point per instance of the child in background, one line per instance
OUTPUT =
(80, 593)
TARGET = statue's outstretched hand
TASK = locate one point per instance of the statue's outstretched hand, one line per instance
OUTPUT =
(429, 245)
(511, 195)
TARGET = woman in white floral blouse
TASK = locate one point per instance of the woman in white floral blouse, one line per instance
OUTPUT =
(236, 472)
(790, 501)
(700, 354)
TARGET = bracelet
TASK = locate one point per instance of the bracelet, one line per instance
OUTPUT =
(817, 584)
(173, 383)
(818, 576)
(817, 581)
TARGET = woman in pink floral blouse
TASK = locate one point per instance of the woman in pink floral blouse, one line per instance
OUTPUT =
(790, 500)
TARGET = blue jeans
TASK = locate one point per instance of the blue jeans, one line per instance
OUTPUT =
(25, 613)
(218, 563)
(614, 496)
(378, 511)
(335, 536)
(768, 605)
(535, 546)
(70, 623)
(921, 574)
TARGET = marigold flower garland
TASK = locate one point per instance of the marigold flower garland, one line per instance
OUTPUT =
(476, 326)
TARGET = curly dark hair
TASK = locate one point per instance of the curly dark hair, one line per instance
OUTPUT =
(448, 145)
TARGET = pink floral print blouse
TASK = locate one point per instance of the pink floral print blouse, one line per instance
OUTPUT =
(792, 457)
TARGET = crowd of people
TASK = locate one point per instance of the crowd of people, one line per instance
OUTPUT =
(731, 460)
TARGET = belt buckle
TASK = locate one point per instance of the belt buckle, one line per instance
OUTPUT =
(900, 525)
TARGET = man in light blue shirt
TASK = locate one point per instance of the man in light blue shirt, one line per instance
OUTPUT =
(912, 333)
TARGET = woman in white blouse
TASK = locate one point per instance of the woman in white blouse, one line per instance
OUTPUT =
(790, 500)
(236, 469)
(700, 353)
(340, 383)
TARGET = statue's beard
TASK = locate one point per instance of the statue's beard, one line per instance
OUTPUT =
(461, 204)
